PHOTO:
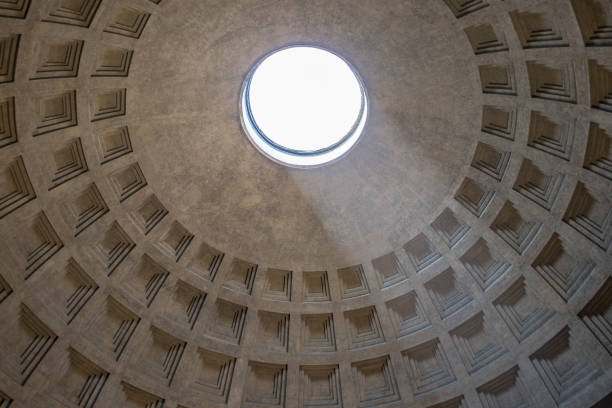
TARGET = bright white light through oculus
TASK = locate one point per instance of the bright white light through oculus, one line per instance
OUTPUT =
(306, 104)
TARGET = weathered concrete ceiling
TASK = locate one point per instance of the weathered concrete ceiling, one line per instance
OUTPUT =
(458, 257)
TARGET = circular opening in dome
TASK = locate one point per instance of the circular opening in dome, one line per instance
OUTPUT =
(303, 106)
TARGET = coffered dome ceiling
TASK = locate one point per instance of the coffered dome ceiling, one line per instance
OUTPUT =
(458, 256)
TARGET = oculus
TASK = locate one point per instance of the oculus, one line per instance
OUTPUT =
(303, 106)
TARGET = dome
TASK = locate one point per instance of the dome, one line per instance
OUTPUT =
(456, 255)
